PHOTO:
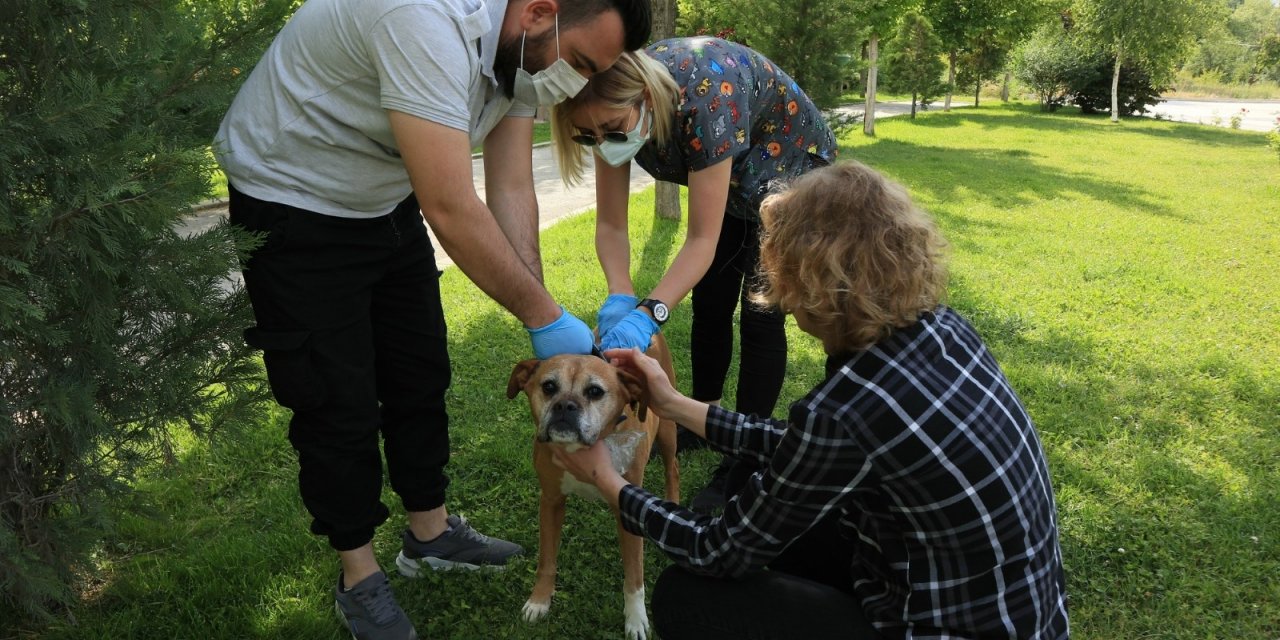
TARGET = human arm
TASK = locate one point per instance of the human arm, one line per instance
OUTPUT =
(509, 189)
(708, 195)
(438, 160)
(613, 246)
(813, 473)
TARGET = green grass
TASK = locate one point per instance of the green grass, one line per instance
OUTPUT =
(1125, 277)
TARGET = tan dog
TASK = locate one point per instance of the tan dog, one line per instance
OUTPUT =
(577, 400)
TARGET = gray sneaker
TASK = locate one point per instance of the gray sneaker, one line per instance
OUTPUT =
(370, 611)
(460, 547)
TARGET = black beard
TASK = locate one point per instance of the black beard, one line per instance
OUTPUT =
(506, 59)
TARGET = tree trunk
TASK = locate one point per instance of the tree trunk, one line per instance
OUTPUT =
(1115, 87)
(663, 19)
(951, 79)
(977, 91)
(1004, 91)
(666, 196)
(869, 114)
(913, 105)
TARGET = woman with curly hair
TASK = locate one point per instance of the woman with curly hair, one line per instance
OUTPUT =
(914, 450)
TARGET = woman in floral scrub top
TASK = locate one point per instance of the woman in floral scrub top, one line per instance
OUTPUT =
(728, 123)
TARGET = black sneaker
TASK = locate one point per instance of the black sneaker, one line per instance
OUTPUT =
(712, 498)
(460, 547)
(370, 611)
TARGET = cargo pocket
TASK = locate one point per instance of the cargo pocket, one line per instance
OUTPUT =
(293, 378)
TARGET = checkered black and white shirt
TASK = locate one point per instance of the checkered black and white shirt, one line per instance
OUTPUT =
(923, 451)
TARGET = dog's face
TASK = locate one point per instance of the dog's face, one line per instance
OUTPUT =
(574, 399)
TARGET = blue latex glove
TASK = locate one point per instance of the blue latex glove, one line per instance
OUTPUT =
(634, 330)
(567, 334)
(615, 308)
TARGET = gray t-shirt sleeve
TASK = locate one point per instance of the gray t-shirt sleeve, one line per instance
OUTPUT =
(424, 64)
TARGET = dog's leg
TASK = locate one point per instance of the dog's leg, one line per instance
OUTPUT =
(637, 620)
(551, 521)
(667, 447)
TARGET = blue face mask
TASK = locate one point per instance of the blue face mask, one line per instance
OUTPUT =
(616, 154)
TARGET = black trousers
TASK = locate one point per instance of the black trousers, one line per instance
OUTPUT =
(768, 605)
(762, 333)
(350, 322)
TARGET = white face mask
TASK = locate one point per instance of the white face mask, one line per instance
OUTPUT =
(552, 85)
(616, 154)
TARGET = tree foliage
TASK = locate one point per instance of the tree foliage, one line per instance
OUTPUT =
(1155, 34)
(877, 19)
(1049, 61)
(1152, 34)
(979, 34)
(1090, 88)
(113, 327)
(913, 63)
(806, 38)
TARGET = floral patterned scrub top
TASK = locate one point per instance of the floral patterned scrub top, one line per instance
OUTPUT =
(735, 102)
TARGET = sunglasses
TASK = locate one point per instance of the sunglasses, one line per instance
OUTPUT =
(588, 139)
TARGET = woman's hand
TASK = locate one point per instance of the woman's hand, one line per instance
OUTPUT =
(615, 308)
(636, 363)
(592, 465)
(663, 397)
(635, 329)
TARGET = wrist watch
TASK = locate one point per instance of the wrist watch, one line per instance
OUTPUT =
(658, 308)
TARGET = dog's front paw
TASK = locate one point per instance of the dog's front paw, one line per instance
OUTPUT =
(533, 611)
(637, 620)
(638, 629)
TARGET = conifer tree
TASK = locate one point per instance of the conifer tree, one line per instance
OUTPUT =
(915, 60)
(114, 328)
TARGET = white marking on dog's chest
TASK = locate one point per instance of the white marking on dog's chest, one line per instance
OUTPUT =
(622, 452)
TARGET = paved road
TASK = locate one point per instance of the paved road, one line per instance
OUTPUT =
(1257, 115)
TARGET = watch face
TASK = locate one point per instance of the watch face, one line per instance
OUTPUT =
(660, 312)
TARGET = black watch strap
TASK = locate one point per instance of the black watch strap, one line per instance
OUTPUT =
(658, 308)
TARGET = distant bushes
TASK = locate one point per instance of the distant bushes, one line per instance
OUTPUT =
(1061, 71)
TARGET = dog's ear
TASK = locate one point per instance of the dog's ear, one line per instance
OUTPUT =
(520, 376)
(637, 393)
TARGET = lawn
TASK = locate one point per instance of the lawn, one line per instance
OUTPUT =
(1125, 276)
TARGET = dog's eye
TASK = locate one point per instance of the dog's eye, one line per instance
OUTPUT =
(595, 392)
(550, 387)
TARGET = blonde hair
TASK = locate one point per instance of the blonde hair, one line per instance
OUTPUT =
(849, 248)
(627, 83)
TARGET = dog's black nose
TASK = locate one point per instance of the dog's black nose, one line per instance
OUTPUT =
(568, 406)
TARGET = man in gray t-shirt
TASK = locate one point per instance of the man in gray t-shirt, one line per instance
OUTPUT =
(358, 123)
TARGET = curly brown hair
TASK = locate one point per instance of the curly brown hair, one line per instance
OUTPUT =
(847, 247)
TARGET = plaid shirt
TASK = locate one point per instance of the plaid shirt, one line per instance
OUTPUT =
(925, 454)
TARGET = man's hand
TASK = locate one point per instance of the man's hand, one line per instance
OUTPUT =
(615, 308)
(567, 334)
(634, 330)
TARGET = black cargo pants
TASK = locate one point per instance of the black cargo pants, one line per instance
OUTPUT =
(350, 322)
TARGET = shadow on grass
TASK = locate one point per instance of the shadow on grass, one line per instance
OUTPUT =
(1154, 506)
(656, 254)
(1001, 177)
